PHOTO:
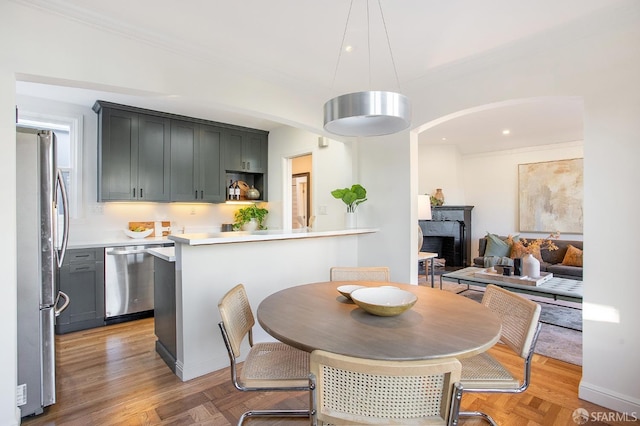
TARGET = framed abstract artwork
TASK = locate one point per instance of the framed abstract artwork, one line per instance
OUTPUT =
(550, 196)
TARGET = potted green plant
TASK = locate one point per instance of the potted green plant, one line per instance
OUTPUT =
(250, 218)
(352, 197)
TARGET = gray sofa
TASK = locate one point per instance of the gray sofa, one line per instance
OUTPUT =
(551, 259)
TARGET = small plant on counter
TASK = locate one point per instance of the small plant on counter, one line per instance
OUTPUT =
(245, 214)
(352, 197)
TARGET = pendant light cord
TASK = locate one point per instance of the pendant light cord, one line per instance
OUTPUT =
(344, 36)
(386, 33)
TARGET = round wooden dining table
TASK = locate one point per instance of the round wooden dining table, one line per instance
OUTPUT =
(440, 324)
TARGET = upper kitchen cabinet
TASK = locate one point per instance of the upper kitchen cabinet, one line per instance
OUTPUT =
(196, 162)
(245, 151)
(133, 154)
(146, 155)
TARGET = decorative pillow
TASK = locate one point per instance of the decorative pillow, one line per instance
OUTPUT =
(496, 246)
(519, 250)
(573, 256)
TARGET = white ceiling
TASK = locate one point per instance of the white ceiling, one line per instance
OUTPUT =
(296, 43)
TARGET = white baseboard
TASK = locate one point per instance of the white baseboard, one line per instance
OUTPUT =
(612, 400)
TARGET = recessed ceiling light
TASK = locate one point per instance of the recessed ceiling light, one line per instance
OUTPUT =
(444, 139)
(506, 131)
(348, 48)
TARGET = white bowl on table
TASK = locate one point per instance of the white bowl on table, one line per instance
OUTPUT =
(138, 234)
(384, 301)
(346, 290)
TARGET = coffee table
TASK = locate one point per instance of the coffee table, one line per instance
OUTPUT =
(556, 288)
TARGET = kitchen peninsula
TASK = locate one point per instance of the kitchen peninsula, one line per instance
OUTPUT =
(208, 265)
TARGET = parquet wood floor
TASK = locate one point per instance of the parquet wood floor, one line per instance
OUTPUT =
(112, 376)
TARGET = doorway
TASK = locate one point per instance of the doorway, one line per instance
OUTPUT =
(301, 191)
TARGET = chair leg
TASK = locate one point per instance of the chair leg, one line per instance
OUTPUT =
(273, 413)
(485, 416)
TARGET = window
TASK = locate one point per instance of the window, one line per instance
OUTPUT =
(68, 137)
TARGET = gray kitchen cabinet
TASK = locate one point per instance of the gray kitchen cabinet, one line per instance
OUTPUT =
(146, 155)
(164, 294)
(81, 277)
(195, 162)
(133, 154)
(245, 151)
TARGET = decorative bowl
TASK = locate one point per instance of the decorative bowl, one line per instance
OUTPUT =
(383, 301)
(346, 290)
(138, 235)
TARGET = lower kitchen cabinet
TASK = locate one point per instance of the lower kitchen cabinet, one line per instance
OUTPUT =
(81, 277)
(164, 296)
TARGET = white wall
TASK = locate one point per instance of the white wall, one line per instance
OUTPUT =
(332, 168)
(439, 166)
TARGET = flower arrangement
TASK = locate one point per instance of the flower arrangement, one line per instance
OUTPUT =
(524, 246)
(352, 197)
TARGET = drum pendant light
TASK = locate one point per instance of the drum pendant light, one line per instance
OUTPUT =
(367, 113)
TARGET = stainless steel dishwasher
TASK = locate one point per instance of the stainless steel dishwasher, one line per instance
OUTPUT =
(128, 281)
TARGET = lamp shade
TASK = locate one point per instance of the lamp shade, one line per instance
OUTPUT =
(371, 113)
(424, 207)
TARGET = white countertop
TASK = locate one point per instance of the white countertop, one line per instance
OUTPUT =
(164, 253)
(267, 235)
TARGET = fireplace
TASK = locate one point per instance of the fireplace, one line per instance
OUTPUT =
(444, 237)
(449, 234)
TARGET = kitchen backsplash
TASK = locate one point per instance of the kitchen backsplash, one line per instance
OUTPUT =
(108, 220)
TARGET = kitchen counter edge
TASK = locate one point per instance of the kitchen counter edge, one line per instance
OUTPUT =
(118, 242)
(268, 235)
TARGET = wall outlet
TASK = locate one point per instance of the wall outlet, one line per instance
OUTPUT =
(322, 210)
(97, 209)
(21, 394)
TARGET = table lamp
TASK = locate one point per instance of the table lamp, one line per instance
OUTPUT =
(424, 213)
(424, 207)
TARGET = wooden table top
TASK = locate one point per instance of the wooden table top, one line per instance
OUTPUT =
(441, 324)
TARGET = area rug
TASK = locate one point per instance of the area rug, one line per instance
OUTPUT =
(561, 333)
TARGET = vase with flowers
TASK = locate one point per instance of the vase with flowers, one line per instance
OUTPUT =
(529, 251)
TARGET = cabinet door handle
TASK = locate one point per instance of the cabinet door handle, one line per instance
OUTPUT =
(201, 195)
(196, 194)
(244, 165)
(248, 165)
(134, 193)
(141, 193)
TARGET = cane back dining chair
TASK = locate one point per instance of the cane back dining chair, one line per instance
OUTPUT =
(348, 390)
(359, 273)
(520, 329)
(270, 366)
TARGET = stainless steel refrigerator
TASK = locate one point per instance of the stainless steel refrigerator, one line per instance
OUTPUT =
(40, 251)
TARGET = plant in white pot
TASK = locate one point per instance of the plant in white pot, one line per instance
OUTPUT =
(352, 197)
(250, 218)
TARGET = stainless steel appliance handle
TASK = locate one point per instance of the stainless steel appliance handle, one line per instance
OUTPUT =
(65, 232)
(59, 310)
(125, 252)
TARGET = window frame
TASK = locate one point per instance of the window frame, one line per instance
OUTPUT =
(74, 125)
